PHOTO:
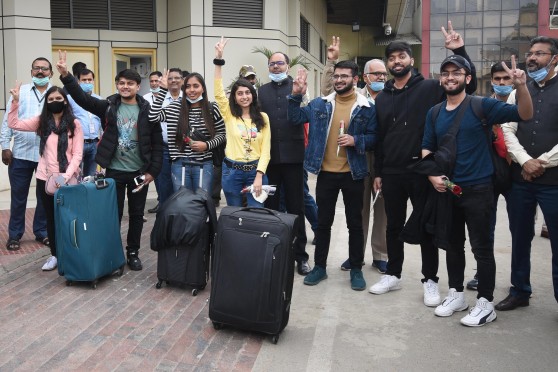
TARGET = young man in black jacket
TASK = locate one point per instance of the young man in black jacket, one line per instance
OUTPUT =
(131, 146)
(401, 111)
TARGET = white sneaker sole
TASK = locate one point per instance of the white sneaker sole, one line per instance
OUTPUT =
(432, 303)
(492, 317)
(383, 290)
(450, 312)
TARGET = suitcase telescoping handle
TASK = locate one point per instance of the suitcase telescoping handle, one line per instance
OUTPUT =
(192, 164)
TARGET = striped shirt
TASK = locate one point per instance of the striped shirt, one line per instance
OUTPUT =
(171, 113)
(26, 144)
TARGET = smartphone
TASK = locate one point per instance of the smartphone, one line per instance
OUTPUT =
(60, 180)
(139, 180)
(137, 189)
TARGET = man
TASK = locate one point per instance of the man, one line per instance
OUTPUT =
(374, 75)
(154, 81)
(285, 169)
(131, 149)
(22, 160)
(338, 159)
(401, 110)
(502, 87)
(533, 146)
(472, 171)
(77, 67)
(90, 124)
(249, 73)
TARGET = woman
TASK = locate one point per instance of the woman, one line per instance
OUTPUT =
(60, 149)
(248, 137)
(194, 126)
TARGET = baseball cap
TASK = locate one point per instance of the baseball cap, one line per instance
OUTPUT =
(458, 61)
(246, 71)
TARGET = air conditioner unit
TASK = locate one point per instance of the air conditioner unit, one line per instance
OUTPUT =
(553, 23)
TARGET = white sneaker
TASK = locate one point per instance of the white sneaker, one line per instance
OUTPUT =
(481, 314)
(431, 293)
(387, 283)
(50, 264)
(455, 301)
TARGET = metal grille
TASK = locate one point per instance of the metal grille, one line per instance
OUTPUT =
(304, 34)
(238, 13)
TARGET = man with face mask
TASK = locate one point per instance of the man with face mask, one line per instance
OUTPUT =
(533, 146)
(22, 160)
(91, 124)
(285, 169)
(374, 75)
(154, 81)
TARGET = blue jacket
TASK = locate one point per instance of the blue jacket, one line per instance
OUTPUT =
(318, 113)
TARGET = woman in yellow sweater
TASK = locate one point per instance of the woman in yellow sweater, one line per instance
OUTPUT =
(247, 152)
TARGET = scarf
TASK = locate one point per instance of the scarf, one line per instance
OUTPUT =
(62, 132)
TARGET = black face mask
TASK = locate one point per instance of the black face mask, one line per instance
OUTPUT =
(56, 107)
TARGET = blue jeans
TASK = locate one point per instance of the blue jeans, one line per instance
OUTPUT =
(192, 175)
(20, 173)
(523, 200)
(164, 182)
(234, 180)
(310, 207)
(88, 163)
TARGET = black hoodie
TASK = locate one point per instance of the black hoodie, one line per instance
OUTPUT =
(401, 114)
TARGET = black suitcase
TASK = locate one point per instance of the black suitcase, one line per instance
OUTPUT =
(252, 270)
(183, 236)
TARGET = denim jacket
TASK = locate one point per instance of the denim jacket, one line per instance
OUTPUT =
(318, 113)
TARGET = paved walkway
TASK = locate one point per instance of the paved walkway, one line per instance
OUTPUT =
(128, 325)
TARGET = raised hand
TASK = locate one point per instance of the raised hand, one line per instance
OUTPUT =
(517, 75)
(452, 39)
(15, 91)
(299, 83)
(163, 81)
(220, 47)
(333, 49)
(61, 64)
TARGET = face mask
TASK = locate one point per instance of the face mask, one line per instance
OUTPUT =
(56, 107)
(87, 87)
(539, 75)
(376, 86)
(278, 77)
(40, 81)
(156, 90)
(502, 90)
(194, 100)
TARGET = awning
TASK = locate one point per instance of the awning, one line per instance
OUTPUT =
(410, 38)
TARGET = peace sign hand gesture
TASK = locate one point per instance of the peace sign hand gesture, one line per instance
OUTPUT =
(163, 80)
(452, 39)
(220, 47)
(516, 74)
(15, 91)
(333, 49)
(299, 83)
(61, 64)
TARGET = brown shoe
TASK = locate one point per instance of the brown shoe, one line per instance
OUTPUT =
(544, 233)
(511, 302)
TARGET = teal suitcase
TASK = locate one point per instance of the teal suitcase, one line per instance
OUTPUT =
(88, 240)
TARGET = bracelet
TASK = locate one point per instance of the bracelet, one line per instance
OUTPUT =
(218, 61)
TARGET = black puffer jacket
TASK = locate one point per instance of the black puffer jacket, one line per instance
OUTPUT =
(149, 134)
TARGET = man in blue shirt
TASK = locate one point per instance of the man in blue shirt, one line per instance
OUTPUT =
(23, 158)
(472, 171)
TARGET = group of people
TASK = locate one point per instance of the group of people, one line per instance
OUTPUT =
(406, 138)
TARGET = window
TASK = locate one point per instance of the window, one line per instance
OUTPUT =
(323, 51)
(238, 13)
(304, 34)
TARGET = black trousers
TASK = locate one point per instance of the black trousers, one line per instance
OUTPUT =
(48, 203)
(327, 190)
(397, 190)
(291, 176)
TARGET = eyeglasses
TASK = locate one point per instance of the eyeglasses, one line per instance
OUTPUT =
(536, 54)
(40, 68)
(455, 74)
(175, 78)
(342, 77)
(278, 63)
(377, 74)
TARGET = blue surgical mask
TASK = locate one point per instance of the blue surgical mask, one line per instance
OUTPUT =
(87, 87)
(156, 90)
(278, 77)
(502, 90)
(192, 101)
(40, 81)
(539, 75)
(376, 86)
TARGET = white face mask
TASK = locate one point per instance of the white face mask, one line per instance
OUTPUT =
(194, 100)
(156, 90)
(278, 77)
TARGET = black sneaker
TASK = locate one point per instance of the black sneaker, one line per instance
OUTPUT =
(155, 209)
(303, 268)
(473, 283)
(133, 261)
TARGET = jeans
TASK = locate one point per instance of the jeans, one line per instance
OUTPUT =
(397, 189)
(290, 181)
(523, 199)
(164, 181)
(234, 180)
(505, 194)
(88, 163)
(136, 204)
(48, 202)
(473, 208)
(191, 175)
(327, 190)
(20, 173)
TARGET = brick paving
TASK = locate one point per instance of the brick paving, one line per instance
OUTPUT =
(125, 324)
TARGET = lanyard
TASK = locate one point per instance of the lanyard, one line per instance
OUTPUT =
(40, 100)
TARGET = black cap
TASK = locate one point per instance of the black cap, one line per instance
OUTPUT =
(458, 61)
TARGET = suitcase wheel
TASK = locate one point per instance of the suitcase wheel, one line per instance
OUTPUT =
(274, 339)
(217, 326)
(120, 271)
(69, 283)
(94, 284)
(159, 284)
(195, 292)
